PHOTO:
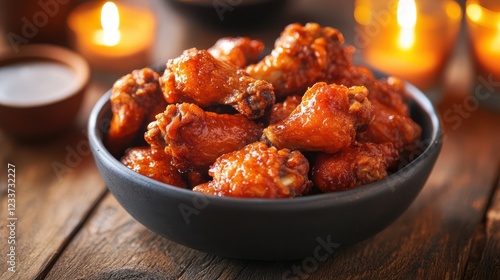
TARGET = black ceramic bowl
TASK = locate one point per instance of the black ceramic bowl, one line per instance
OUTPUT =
(268, 229)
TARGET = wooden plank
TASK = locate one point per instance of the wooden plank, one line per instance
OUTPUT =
(113, 245)
(488, 266)
(57, 184)
(432, 239)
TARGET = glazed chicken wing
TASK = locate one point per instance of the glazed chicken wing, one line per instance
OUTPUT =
(281, 111)
(355, 166)
(303, 55)
(258, 171)
(135, 100)
(389, 126)
(153, 163)
(307, 54)
(389, 92)
(239, 51)
(198, 77)
(326, 120)
(196, 138)
(391, 121)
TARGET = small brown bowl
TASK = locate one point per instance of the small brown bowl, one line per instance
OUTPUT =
(41, 90)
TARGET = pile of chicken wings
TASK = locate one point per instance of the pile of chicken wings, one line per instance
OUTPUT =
(301, 120)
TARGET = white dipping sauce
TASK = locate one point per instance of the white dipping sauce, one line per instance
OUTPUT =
(35, 82)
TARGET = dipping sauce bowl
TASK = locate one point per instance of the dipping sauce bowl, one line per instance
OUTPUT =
(41, 90)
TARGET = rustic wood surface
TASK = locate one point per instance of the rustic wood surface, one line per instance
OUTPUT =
(70, 227)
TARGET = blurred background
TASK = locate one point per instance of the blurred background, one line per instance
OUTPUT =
(181, 24)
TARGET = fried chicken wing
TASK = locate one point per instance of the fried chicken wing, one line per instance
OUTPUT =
(326, 120)
(389, 126)
(135, 100)
(352, 126)
(391, 121)
(303, 55)
(258, 171)
(307, 54)
(357, 165)
(281, 111)
(196, 138)
(389, 92)
(198, 77)
(153, 163)
(239, 51)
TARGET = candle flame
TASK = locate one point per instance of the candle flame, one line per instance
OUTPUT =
(474, 12)
(407, 19)
(110, 22)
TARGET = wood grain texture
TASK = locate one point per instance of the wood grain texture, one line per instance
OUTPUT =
(432, 240)
(488, 266)
(112, 245)
(57, 184)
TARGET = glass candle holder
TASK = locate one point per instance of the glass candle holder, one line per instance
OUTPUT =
(483, 25)
(406, 38)
(115, 38)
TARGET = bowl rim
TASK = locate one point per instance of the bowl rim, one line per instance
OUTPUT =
(318, 200)
(58, 54)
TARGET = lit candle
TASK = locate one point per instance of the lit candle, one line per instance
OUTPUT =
(406, 38)
(483, 21)
(113, 38)
(407, 18)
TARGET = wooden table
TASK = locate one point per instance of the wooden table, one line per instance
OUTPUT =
(68, 226)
